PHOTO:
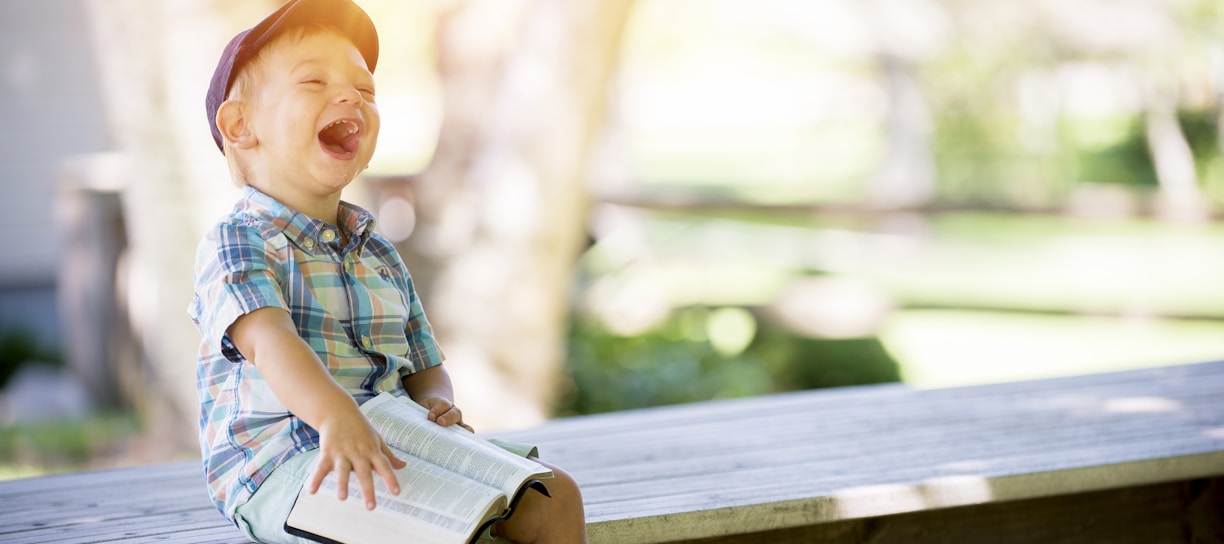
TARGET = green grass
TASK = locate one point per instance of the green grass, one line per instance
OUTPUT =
(34, 449)
(939, 348)
(979, 297)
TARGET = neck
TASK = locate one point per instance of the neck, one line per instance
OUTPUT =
(322, 207)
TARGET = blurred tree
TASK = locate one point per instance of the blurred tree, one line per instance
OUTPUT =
(906, 176)
(155, 59)
(1182, 198)
(905, 33)
(501, 208)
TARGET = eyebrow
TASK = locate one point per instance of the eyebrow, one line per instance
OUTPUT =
(305, 62)
(318, 60)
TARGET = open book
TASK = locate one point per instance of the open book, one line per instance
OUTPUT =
(455, 485)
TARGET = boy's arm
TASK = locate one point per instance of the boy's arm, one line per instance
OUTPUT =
(268, 339)
(432, 389)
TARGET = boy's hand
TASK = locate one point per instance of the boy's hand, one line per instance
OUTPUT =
(444, 412)
(432, 389)
(348, 444)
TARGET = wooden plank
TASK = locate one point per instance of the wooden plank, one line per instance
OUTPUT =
(950, 444)
(1019, 440)
(762, 516)
(159, 472)
(853, 399)
(664, 438)
(1143, 515)
(64, 516)
(1118, 442)
(828, 458)
(864, 487)
(950, 418)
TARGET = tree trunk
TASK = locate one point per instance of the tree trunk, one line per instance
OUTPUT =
(906, 177)
(154, 71)
(501, 209)
(1180, 197)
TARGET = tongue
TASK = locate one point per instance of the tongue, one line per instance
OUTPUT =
(337, 139)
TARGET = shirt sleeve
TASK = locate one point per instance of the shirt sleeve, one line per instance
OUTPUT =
(425, 351)
(237, 272)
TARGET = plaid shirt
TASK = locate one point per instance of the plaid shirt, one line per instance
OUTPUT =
(353, 303)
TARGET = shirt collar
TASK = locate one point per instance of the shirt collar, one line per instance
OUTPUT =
(307, 233)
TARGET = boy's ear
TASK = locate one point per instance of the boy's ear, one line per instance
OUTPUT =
(232, 123)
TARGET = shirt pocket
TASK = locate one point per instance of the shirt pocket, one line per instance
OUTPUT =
(382, 325)
(382, 334)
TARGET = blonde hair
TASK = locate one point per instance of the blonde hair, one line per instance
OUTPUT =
(249, 78)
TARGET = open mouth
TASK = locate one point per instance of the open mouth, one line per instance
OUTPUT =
(340, 138)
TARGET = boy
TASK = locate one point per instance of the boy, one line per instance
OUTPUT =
(305, 311)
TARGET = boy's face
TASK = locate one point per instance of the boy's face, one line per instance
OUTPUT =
(313, 114)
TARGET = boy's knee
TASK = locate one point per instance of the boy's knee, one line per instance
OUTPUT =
(563, 488)
(557, 518)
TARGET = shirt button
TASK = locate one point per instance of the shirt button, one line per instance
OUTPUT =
(365, 341)
(348, 266)
(329, 235)
(309, 243)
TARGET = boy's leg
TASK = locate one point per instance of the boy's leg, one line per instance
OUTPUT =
(559, 519)
(263, 517)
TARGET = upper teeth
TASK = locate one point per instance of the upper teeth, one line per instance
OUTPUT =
(352, 127)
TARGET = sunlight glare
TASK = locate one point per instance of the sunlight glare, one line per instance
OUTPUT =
(1141, 405)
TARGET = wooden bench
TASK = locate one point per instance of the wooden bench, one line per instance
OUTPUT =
(1135, 456)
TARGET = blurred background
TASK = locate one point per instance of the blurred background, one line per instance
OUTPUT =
(611, 204)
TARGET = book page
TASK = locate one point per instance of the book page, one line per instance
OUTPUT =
(404, 425)
(434, 506)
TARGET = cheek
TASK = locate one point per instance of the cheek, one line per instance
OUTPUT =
(287, 125)
(373, 125)
(373, 117)
(294, 117)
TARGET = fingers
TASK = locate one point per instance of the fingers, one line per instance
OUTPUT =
(396, 462)
(384, 465)
(342, 479)
(321, 470)
(365, 481)
(445, 413)
(385, 469)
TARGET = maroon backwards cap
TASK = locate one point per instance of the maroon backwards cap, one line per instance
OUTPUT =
(343, 15)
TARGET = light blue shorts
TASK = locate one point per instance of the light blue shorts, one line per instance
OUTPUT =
(263, 517)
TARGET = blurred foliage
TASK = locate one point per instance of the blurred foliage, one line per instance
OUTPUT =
(980, 160)
(677, 363)
(1124, 160)
(65, 445)
(19, 346)
(39, 447)
(1202, 129)
(1202, 132)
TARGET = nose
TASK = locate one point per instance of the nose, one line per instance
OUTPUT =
(349, 95)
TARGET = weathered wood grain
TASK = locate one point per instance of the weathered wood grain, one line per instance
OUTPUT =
(829, 465)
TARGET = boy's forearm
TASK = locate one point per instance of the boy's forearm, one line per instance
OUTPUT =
(300, 382)
(432, 382)
(269, 340)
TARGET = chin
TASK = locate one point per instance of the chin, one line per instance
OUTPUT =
(336, 178)
(348, 167)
